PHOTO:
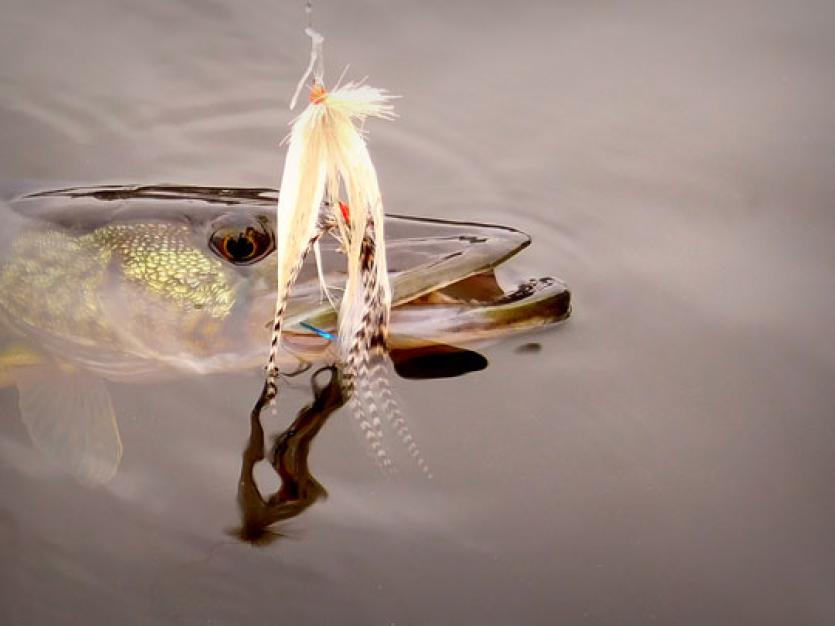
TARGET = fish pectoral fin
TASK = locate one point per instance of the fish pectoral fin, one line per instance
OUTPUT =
(15, 360)
(70, 419)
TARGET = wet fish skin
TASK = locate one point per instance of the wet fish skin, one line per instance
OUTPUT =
(132, 283)
(129, 289)
(123, 281)
(53, 280)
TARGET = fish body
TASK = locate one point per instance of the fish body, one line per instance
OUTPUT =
(136, 283)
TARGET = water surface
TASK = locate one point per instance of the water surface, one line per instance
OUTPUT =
(664, 457)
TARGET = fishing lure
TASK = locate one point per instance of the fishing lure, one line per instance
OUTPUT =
(328, 159)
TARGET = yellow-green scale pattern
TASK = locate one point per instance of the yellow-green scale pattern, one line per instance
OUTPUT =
(163, 259)
(54, 280)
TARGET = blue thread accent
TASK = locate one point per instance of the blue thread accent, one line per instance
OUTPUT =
(318, 331)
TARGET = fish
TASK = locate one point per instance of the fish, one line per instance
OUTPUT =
(134, 283)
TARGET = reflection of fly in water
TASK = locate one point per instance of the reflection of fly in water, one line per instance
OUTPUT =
(132, 284)
(288, 457)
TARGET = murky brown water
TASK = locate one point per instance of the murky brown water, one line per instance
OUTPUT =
(664, 458)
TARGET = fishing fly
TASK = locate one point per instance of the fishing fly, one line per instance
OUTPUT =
(329, 184)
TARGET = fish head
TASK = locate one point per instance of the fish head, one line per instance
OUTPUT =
(115, 278)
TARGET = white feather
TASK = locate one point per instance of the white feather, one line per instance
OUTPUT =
(326, 157)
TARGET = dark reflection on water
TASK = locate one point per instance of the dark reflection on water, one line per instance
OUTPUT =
(289, 458)
(532, 347)
(664, 458)
(437, 361)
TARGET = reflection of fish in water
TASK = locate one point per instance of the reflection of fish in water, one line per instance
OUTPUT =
(138, 283)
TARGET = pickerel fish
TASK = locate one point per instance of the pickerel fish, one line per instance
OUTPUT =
(140, 283)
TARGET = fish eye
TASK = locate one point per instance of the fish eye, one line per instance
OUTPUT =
(242, 244)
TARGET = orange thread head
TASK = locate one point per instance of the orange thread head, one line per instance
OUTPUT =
(317, 93)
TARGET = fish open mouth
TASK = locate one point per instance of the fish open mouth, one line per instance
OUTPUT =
(477, 309)
(484, 290)
(472, 310)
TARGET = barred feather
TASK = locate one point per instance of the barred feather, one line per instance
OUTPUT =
(367, 414)
(390, 408)
(271, 389)
(326, 154)
(328, 159)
